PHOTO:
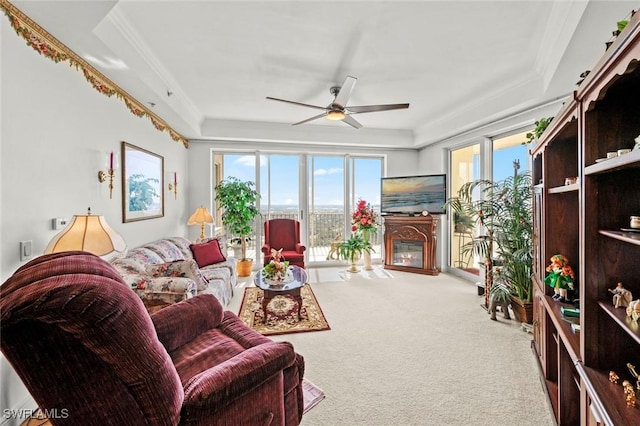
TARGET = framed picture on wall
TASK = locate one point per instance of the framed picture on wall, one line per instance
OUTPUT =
(142, 183)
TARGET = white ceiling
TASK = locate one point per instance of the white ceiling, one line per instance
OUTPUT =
(208, 65)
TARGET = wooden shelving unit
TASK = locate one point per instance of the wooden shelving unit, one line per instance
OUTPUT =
(585, 222)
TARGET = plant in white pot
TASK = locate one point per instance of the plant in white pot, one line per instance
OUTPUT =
(238, 201)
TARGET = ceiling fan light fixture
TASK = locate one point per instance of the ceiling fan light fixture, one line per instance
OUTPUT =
(335, 115)
(338, 109)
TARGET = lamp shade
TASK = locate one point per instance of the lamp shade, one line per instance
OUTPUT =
(200, 217)
(89, 233)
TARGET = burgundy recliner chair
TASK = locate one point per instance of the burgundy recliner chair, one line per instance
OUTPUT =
(283, 234)
(85, 347)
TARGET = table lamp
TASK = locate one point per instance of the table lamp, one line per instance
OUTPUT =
(200, 217)
(89, 233)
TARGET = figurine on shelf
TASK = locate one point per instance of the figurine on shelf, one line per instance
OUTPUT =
(629, 393)
(560, 278)
(633, 310)
(613, 377)
(621, 296)
(632, 369)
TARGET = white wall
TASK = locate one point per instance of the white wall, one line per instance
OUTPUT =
(54, 127)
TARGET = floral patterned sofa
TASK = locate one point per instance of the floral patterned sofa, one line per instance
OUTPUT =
(173, 269)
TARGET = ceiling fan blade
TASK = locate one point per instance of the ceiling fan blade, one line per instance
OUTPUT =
(297, 103)
(374, 108)
(310, 119)
(351, 121)
(345, 92)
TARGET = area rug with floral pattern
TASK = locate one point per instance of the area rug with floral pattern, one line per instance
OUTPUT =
(282, 313)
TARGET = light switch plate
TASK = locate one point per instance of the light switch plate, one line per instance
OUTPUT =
(26, 250)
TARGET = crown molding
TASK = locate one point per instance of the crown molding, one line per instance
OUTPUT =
(50, 47)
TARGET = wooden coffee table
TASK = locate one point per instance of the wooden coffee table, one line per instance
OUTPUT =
(291, 288)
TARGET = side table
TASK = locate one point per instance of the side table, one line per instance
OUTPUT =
(291, 288)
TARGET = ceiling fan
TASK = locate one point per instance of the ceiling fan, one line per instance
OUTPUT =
(338, 109)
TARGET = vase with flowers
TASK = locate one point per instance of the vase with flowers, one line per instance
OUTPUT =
(363, 220)
(277, 271)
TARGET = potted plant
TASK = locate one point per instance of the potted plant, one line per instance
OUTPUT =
(504, 212)
(238, 201)
(540, 126)
(352, 248)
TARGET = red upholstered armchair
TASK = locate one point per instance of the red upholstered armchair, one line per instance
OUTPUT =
(283, 234)
(83, 344)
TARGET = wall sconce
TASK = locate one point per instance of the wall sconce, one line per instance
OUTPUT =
(112, 163)
(173, 184)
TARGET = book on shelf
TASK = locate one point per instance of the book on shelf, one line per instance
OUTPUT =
(575, 328)
(570, 312)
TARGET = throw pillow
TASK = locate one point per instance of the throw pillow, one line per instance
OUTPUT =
(180, 268)
(207, 253)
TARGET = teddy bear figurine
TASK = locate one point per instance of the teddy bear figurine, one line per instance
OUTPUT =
(561, 277)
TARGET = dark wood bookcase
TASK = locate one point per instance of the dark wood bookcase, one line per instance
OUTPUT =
(584, 221)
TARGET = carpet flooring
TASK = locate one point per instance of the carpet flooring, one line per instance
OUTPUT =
(282, 313)
(416, 350)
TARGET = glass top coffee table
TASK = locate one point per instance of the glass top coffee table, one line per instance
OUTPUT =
(291, 288)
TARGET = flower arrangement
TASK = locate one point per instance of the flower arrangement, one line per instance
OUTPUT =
(363, 218)
(560, 278)
(277, 269)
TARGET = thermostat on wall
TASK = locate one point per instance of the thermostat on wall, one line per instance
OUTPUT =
(59, 223)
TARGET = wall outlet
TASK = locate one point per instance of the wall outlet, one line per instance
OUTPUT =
(26, 250)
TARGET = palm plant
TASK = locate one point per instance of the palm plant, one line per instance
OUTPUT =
(514, 234)
(503, 212)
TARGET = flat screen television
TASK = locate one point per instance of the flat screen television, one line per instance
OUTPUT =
(411, 195)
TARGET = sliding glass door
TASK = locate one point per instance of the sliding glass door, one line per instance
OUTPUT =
(510, 156)
(465, 167)
(366, 173)
(242, 166)
(326, 184)
(279, 188)
(495, 159)
(319, 190)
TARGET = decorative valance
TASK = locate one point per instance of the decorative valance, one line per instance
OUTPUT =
(47, 45)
